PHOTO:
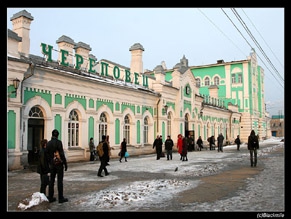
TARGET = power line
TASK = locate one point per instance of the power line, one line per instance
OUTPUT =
(256, 42)
(222, 32)
(251, 45)
(262, 38)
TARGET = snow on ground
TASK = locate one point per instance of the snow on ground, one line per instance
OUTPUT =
(145, 193)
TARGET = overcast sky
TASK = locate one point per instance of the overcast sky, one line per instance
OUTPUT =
(203, 35)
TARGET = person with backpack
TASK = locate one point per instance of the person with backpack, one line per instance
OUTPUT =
(58, 164)
(103, 156)
(253, 146)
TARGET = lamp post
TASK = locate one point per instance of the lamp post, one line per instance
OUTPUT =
(166, 108)
(16, 82)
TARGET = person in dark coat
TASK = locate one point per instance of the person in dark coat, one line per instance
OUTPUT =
(199, 142)
(92, 149)
(43, 167)
(56, 170)
(104, 158)
(158, 144)
(123, 149)
(253, 146)
(238, 142)
(220, 139)
(184, 149)
(211, 141)
(169, 147)
(190, 142)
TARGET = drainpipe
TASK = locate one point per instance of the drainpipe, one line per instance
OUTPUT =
(158, 116)
(32, 67)
(230, 128)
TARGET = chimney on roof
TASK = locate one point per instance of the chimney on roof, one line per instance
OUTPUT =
(83, 50)
(136, 64)
(67, 44)
(21, 25)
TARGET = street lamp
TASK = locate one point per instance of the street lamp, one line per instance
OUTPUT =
(16, 82)
(166, 108)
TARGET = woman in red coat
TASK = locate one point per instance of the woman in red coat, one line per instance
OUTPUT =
(180, 145)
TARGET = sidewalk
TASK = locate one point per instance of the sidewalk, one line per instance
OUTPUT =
(208, 181)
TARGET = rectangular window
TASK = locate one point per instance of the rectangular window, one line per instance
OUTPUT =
(233, 78)
(239, 78)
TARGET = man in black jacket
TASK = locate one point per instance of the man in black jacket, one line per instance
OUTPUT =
(253, 145)
(158, 143)
(169, 147)
(220, 139)
(53, 146)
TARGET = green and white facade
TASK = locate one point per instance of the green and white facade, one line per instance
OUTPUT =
(67, 89)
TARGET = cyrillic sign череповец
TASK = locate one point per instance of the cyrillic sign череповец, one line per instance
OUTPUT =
(47, 51)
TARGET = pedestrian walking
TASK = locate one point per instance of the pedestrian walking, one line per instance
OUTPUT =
(123, 149)
(104, 158)
(238, 142)
(253, 146)
(199, 142)
(180, 145)
(190, 142)
(184, 149)
(54, 147)
(43, 167)
(211, 141)
(220, 139)
(158, 144)
(169, 147)
(92, 149)
(109, 150)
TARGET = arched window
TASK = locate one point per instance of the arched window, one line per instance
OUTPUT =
(102, 126)
(216, 80)
(73, 129)
(169, 125)
(126, 129)
(207, 81)
(198, 82)
(145, 130)
(35, 112)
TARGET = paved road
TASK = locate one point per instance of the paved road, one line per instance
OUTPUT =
(208, 182)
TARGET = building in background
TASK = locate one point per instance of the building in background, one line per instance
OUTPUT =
(277, 126)
(69, 90)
